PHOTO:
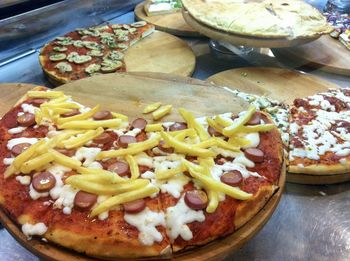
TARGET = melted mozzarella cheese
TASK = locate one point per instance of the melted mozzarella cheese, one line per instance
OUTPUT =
(16, 130)
(133, 132)
(229, 166)
(177, 218)
(24, 180)
(242, 159)
(28, 108)
(174, 185)
(89, 154)
(95, 165)
(8, 161)
(35, 194)
(318, 138)
(100, 199)
(13, 142)
(65, 200)
(146, 222)
(253, 138)
(37, 229)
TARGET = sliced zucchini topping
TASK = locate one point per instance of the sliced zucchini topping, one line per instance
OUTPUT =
(116, 56)
(60, 49)
(57, 57)
(96, 53)
(71, 56)
(93, 45)
(138, 24)
(82, 59)
(78, 43)
(63, 67)
(93, 68)
(122, 46)
(110, 66)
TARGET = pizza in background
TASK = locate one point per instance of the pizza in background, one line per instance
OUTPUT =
(87, 52)
(289, 19)
(341, 25)
(161, 7)
(320, 133)
(90, 180)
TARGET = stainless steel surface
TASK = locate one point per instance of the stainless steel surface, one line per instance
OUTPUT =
(310, 223)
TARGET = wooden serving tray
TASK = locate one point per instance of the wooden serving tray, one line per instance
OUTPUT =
(326, 54)
(282, 85)
(237, 39)
(171, 23)
(128, 94)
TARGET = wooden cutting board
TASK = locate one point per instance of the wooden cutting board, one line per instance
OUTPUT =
(237, 39)
(326, 54)
(171, 23)
(161, 52)
(282, 85)
(279, 84)
(128, 93)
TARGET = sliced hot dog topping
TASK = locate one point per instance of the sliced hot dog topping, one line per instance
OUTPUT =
(213, 132)
(255, 119)
(120, 167)
(163, 148)
(27, 119)
(43, 181)
(196, 199)
(139, 123)
(103, 138)
(37, 102)
(102, 115)
(232, 178)
(73, 112)
(178, 126)
(254, 155)
(19, 148)
(67, 152)
(135, 206)
(125, 140)
(84, 200)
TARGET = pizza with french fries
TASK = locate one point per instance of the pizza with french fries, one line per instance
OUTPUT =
(89, 51)
(92, 181)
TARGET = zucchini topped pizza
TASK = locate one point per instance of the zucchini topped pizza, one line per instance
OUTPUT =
(90, 180)
(87, 52)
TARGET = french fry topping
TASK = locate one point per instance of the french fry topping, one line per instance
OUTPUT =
(161, 112)
(76, 129)
(151, 107)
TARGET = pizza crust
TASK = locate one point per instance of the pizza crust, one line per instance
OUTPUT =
(105, 246)
(321, 169)
(246, 210)
(53, 77)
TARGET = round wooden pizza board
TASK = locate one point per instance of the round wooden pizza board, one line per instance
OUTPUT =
(171, 23)
(159, 52)
(237, 39)
(126, 93)
(326, 54)
(282, 85)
